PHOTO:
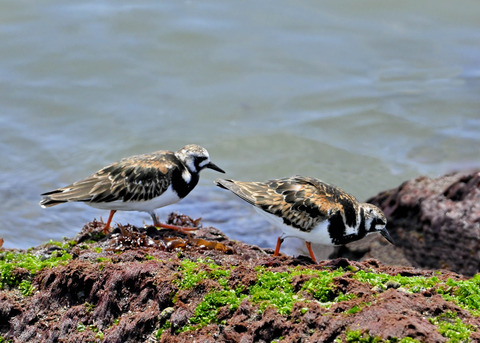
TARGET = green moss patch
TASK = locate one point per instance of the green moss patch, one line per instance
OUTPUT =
(207, 311)
(191, 273)
(413, 284)
(17, 269)
(321, 285)
(465, 293)
(452, 327)
(282, 290)
(276, 289)
(358, 336)
(272, 288)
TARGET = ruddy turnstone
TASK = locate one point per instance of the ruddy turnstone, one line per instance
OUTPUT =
(138, 183)
(311, 210)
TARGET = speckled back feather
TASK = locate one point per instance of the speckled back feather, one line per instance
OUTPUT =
(302, 202)
(140, 177)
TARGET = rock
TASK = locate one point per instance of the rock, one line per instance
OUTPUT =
(180, 318)
(148, 285)
(434, 222)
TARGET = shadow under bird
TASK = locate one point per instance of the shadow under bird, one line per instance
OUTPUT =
(138, 183)
(310, 209)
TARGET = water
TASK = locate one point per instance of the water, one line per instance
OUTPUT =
(361, 94)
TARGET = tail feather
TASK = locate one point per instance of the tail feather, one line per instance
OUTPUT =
(48, 202)
(238, 188)
(53, 192)
(223, 183)
(65, 194)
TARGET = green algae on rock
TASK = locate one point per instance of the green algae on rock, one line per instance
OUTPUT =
(18, 268)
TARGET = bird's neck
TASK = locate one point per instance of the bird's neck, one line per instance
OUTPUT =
(342, 233)
(184, 182)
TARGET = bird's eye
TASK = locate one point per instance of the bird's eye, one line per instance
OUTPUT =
(201, 161)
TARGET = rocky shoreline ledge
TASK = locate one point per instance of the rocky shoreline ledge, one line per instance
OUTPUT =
(435, 224)
(149, 285)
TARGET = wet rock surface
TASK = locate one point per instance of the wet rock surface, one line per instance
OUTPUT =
(434, 222)
(129, 286)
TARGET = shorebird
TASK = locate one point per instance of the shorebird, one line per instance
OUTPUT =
(138, 183)
(310, 209)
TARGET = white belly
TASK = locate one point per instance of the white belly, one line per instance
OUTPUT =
(167, 198)
(319, 235)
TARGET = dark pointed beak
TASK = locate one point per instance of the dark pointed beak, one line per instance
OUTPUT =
(213, 166)
(387, 236)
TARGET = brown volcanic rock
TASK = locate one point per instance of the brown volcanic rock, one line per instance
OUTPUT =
(392, 314)
(434, 222)
(124, 288)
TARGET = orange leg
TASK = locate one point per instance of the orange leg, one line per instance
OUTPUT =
(107, 226)
(182, 229)
(277, 248)
(312, 255)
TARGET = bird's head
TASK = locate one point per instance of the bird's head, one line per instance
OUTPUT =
(375, 221)
(196, 158)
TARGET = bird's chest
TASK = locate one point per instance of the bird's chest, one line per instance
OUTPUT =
(317, 234)
(184, 182)
(340, 233)
(334, 231)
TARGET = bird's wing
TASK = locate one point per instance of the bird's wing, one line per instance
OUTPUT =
(132, 179)
(302, 202)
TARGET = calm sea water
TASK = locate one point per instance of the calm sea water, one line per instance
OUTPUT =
(361, 94)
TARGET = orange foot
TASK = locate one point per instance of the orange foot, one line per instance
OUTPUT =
(183, 229)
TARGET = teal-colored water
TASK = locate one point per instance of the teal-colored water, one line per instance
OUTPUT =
(361, 94)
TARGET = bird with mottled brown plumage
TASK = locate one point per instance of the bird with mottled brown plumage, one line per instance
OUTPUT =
(138, 183)
(307, 208)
